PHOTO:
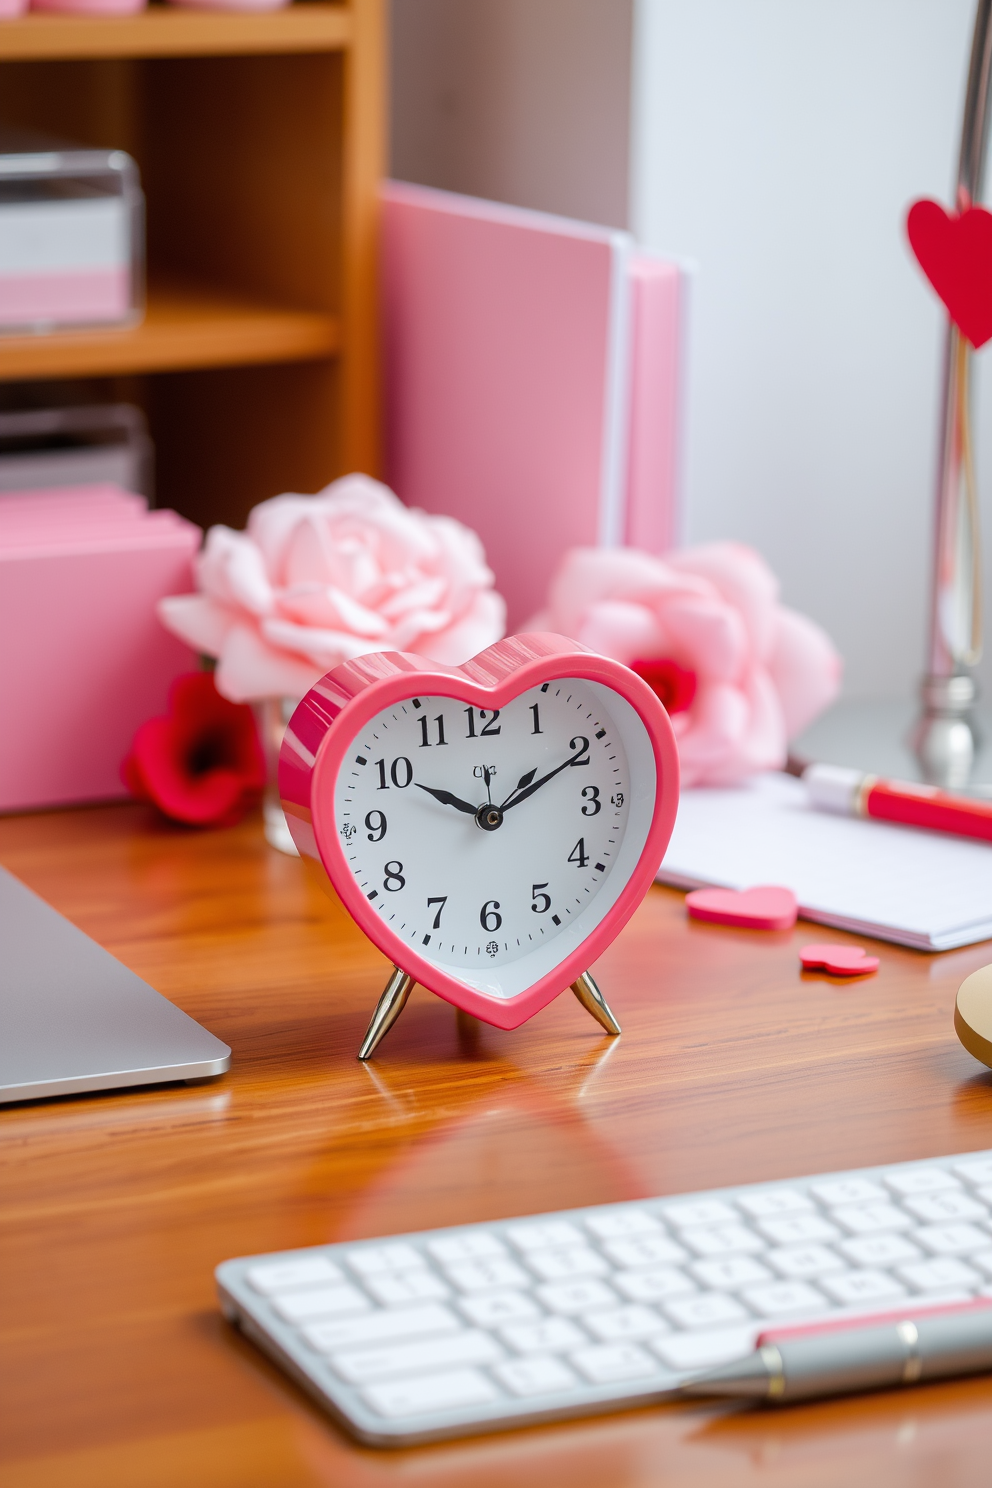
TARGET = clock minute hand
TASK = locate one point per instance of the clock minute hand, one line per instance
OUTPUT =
(447, 799)
(526, 786)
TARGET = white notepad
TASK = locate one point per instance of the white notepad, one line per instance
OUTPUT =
(927, 890)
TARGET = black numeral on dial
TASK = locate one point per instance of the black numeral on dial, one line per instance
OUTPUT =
(578, 855)
(537, 894)
(425, 743)
(375, 821)
(593, 803)
(442, 902)
(401, 766)
(537, 729)
(394, 880)
(488, 918)
(489, 730)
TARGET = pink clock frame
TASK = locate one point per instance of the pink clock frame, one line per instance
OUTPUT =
(320, 737)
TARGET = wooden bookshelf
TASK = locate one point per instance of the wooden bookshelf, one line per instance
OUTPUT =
(172, 31)
(260, 139)
(184, 328)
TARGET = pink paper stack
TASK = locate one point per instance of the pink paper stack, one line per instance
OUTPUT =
(83, 657)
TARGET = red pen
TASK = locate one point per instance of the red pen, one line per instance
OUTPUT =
(849, 793)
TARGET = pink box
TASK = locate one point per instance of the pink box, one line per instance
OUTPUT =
(84, 658)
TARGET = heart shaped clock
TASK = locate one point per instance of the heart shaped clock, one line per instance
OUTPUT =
(491, 827)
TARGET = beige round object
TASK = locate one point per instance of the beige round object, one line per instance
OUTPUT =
(973, 1014)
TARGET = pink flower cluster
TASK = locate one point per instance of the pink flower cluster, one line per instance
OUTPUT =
(740, 674)
(317, 580)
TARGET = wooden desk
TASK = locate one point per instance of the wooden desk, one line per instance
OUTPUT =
(733, 1066)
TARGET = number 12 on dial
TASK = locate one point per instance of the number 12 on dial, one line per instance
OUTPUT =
(490, 827)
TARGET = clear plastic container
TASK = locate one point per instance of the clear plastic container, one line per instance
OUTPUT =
(72, 248)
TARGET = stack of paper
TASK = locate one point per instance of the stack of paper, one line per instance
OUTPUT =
(83, 657)
(927, 890)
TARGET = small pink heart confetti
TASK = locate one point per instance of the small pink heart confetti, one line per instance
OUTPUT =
(839, 960)
(766, 908)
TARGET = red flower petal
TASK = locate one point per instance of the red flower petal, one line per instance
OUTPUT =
(203, 763)
(674, 685)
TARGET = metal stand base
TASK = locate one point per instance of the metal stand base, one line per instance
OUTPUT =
(945, 740)
(400, 985)
(388, 1008)
(595, 1003)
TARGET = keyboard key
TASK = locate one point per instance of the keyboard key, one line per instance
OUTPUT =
(493, 1308)
(699, 1212)
(570, 1297)
(802, 1261)
(722, 1240)
(560, 1265)
(535, 1376)
(730, 1272)
(976, 1171)
(338, 1301)
(619, 1361)
(381, 1327)
(475, 1246)
(982, 1259)
(282, 1276)
(879, 1250)
(623, 1223)
(624, 1322)
(410, 1286)
(549, 1235)
(865, 1219)
(373, 1259)
(850, 1287)
(486, 1276)
(951, 1239)
(705, 1311)
(798, 1229)
(838, 1191)
(549, 1336)
(437, 1392)
(652, 1250)
(920, 1181)
(945, 1273)
(690, 1351)
(769, 1203)
(365, 1365)
(783, 1298)
(653, 1286)
(938, 1207)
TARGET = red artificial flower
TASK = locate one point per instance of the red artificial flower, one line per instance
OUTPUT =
(674, 685)
(202, 764)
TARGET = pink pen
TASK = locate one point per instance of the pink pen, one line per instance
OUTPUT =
(850, 793)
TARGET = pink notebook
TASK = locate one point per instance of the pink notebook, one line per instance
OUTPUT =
(84, 658)
(532, 381)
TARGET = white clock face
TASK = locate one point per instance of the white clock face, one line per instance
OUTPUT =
(494, 842)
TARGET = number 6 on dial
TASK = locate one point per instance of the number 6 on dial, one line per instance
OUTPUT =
(491, 827)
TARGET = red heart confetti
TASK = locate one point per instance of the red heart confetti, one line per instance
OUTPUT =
(954, 250)
(839, 960)
(766, 908)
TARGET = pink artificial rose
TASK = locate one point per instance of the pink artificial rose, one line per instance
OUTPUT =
(317, 580)
(739, 673)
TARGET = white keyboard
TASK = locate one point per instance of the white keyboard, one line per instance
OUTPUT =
(437, 1334)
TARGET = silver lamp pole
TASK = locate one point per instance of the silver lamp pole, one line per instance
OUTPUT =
(944, 738)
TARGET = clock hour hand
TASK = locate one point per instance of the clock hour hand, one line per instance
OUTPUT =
(527, 785)
(447, 799)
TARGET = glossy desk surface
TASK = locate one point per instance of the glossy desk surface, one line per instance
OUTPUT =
(117, 1368)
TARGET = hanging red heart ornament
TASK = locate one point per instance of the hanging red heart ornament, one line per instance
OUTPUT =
(954, 250)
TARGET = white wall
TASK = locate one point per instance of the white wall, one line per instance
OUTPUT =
(522, 101)
(777, 143)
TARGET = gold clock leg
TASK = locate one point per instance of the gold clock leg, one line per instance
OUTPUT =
(594, 1002)
(387, 1010)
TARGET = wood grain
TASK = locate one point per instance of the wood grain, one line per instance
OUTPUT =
(166, 32)
(733, 1066)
